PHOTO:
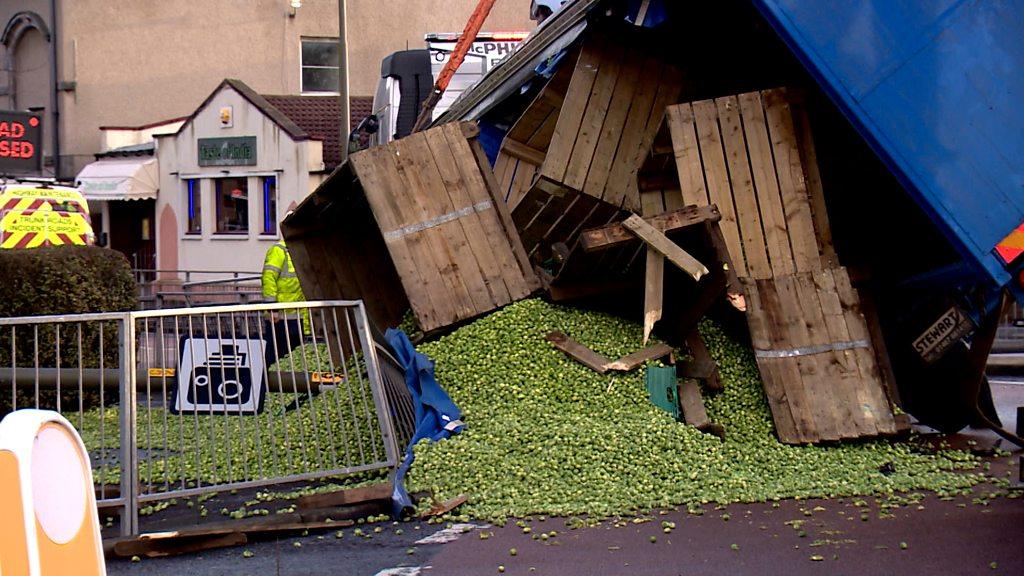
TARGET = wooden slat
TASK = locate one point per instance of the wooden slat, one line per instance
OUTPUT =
(669, 87)
(717, 179)
(795, 329)
(522, 152)
(772, 373)
(612, 130)
(428, 296)
(792, 187)
(845, 362)
(703, 362)
(870, 311)
(657, 240)
(631, 362)
(654, 279)
(692, 403)
(573, 109)
(490, 191)
(616, 234)
(747, 215)
(871, 378)
(488, 272)
(504, 170)
(541, 139)
(686, 154)
(780, 320)
(578, 352)
(595, 116)
(421, 185)
(829, 390)
(773, 217)
(627, 158)
(565, 227)
(521, 183)
(381, 491)
(809, 160)
(502, 243)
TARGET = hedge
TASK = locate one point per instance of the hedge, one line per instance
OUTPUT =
(62, 280)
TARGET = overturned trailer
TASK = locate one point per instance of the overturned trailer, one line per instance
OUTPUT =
(859, 209)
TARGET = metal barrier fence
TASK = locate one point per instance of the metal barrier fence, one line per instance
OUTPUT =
(176, 403)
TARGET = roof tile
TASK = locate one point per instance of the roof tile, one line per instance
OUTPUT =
(318, 117)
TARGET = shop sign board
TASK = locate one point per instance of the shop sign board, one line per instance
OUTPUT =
(21, 142)
(232, 151)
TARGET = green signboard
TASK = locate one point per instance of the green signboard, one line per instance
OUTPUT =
(236, 151)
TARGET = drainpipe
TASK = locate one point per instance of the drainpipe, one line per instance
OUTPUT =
(55, 95)
(345, 119)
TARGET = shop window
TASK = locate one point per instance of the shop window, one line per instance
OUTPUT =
(270, 206)
(232, 195)
(320, 65)
(194, 207)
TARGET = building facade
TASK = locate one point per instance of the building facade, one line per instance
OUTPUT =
(90, 64)
(130, 63)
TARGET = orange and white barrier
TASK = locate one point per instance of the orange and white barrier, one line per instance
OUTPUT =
(48, 520)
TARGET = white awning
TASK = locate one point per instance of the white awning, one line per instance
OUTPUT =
(133, 178)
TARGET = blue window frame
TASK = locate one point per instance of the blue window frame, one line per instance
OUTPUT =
(195, 207)
(270, 206)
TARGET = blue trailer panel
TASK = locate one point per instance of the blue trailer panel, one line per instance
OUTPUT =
(936, 87)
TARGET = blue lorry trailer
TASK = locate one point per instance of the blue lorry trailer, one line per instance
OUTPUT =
(916, 115)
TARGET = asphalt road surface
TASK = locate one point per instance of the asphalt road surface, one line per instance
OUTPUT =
(968, 535)
(977, 534)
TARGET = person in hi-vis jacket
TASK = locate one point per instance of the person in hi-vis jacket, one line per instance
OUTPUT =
(284, 330)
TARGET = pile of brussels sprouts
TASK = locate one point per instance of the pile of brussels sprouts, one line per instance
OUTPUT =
(549, 436)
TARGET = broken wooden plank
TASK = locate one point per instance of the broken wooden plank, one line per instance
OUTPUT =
(381, 491)
(214, 535)
(702, 361)
(446, 506)
(637, 359)
(578, 352)
(692, 404)
(616, 234)
(161, 544)
(666, 247)
(654, 282)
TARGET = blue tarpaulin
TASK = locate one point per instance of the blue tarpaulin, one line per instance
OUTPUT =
(437, 417)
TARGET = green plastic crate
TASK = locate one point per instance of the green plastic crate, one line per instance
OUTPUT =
(663, 390)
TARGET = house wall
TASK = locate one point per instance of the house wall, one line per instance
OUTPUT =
(136, 62)
(277, 155)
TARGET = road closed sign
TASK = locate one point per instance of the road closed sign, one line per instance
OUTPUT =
(21, 142)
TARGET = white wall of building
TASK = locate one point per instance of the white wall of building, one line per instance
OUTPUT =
(277, 155)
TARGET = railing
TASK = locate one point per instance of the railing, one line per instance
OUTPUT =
(181, 402)
(160, 289)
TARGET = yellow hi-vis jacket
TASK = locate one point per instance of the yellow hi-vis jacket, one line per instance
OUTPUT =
(280, 282)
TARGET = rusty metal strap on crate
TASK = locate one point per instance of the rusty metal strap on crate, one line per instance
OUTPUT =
(433, 222)
(808, 350)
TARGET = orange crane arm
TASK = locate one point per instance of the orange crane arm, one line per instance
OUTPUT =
(476, 21)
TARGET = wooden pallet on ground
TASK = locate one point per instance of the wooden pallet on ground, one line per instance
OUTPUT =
(747, 154)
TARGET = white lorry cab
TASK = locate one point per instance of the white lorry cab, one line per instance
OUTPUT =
(407, 77)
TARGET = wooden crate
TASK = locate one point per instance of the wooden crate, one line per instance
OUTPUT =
(526, 143)
(751, 155)
(438, 222)
(612, 109)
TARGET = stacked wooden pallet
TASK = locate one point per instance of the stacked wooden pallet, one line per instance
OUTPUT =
(526, 143)
(743, 154)
(442, 231)
(614, 105)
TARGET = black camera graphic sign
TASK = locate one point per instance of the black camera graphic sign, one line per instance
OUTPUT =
(220, 377)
